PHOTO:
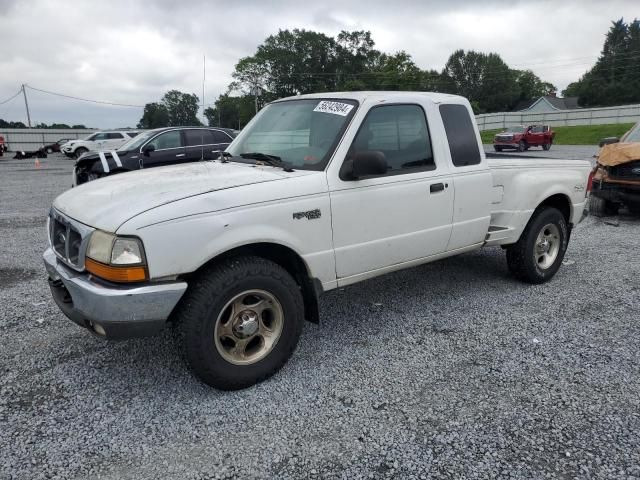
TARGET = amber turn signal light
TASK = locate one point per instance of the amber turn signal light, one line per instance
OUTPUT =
(120, 274)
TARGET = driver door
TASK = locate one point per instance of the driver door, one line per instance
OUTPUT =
(168, 149)
(384, 221)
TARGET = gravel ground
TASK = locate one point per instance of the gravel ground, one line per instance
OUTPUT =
(448, 370)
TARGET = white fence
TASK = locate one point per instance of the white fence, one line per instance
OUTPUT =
(29, 139)
(561, 118)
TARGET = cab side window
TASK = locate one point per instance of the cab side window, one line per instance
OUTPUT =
(171, 139)
(196, 138)
(401, 133)
(463, 143)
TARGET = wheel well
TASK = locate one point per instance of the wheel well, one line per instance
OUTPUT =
(287, 259)
(561, 202)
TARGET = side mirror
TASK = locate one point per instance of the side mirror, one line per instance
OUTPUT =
(608, 140)
(368, 162)
(148, 149)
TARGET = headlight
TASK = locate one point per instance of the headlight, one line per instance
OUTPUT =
(100, 246)
(127, 251)
(118, 259)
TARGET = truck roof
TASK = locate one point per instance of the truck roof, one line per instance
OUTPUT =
(384, 95)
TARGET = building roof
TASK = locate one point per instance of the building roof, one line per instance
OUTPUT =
(556, 103)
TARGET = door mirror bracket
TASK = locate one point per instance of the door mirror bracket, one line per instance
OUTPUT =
(148, 149)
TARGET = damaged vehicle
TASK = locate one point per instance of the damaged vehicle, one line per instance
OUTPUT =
(154, 148)
(616, 177)
(317, 192)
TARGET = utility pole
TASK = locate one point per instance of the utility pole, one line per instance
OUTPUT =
(204, 71)
(26, 104)
(255, 90)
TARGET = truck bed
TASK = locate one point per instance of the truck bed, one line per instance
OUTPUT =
(519, 183)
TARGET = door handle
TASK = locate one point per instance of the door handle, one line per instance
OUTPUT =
(436, 187)
(180, 155)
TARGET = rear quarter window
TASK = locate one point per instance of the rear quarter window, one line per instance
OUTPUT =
(461, 135)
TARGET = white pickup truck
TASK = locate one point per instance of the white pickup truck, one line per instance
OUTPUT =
(317, 192)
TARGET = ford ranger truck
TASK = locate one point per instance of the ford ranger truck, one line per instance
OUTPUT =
(317, 192)
(521, 138)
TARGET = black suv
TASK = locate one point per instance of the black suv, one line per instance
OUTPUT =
(155, 148)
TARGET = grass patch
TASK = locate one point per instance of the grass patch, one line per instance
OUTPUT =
(579, 135)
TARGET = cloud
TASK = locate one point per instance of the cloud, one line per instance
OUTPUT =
(133, 52)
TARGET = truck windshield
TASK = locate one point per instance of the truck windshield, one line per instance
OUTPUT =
(632, 135)
(302, 133)
(514, 129)
(137, 141)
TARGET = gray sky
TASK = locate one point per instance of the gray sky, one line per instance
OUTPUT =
(134, 51)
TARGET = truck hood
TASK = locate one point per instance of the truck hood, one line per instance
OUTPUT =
(109, 202)
(619, 153)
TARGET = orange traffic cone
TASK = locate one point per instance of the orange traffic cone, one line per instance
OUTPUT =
(37, 162)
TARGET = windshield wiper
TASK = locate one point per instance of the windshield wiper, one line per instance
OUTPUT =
(272, 160)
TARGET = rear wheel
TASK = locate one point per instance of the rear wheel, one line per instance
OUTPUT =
(240, 322)
(537, 255)
(522, 146)
(497, 148)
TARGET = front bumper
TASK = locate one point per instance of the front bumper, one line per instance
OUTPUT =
(505, 144)
(111, 311)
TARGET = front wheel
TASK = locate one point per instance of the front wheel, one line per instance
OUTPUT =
(80, 151)
(240, 322)
(546, 146)
(522, 146)
(537, 255)
(497, 148)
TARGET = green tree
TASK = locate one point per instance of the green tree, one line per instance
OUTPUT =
(614, 79)
(155, 115)
(482, 78)
(182, 108)
(231, 111)
(531, 86)
(176, 109)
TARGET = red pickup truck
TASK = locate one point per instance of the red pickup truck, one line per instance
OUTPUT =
(522, 137)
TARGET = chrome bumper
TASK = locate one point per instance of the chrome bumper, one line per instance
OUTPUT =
(110, 310)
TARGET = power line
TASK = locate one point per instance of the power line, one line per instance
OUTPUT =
(84, 99)
(12, 97)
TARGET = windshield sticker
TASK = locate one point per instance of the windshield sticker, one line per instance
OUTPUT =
(337, 108)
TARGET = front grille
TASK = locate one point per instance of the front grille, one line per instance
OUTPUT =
(68, 239)
(629, 170)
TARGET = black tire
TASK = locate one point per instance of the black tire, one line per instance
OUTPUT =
(497, 148)
(522, 146)
(49, 150)
(80, 151)
(521, 256)
(599, 207)
(546, 146)
(204, 302)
